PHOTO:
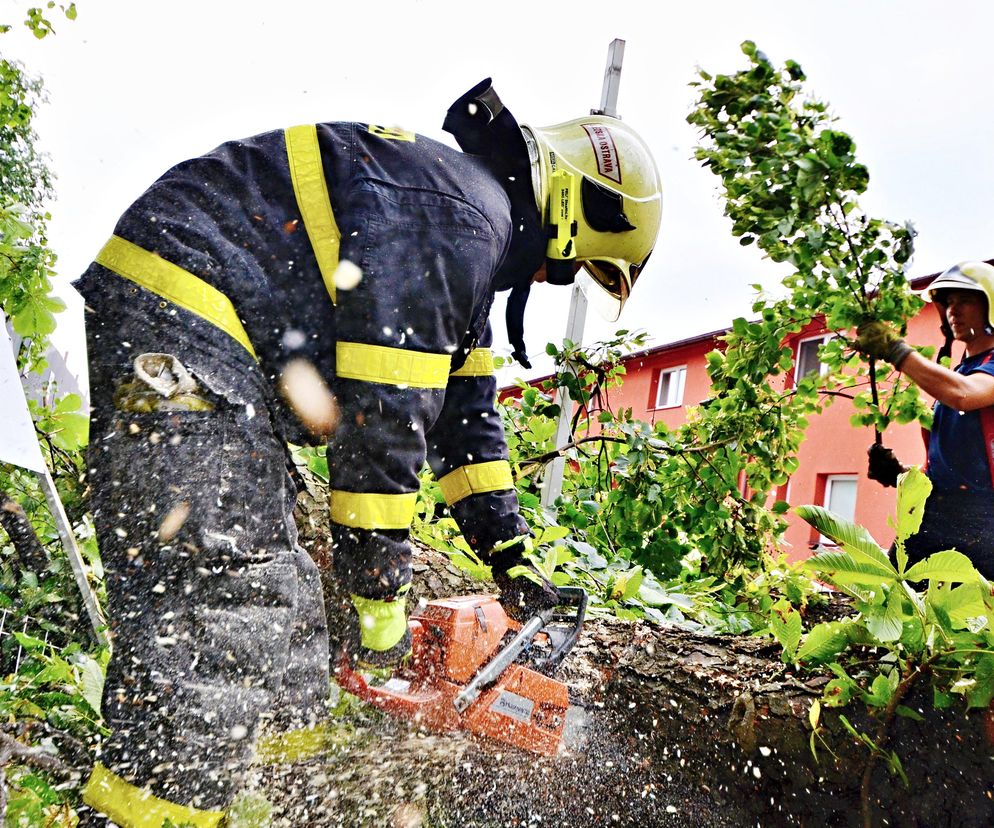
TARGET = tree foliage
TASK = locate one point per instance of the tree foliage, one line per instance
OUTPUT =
(38, 18)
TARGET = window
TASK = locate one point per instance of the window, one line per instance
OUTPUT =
(840, 497)
(669, 388)
(807, 358)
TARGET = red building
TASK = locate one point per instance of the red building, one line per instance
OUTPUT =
(663, 382)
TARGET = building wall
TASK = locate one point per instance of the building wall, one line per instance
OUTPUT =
(832, 446)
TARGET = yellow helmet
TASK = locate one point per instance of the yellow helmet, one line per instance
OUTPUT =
(965, 276)
(600, 195)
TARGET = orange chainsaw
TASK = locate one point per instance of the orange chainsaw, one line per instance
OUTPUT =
(475, 669)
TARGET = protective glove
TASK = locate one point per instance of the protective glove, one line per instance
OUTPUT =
(384, 636)
(372, 632)
(524, 590)
(880, 341)
(883, 466)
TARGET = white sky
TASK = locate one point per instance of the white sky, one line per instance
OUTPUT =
(136, 86)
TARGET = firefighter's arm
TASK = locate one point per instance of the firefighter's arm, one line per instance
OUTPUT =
(962, 392)
(468, 455)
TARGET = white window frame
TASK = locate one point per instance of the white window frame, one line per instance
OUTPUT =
(830, 480)
(681, 384)
(821, 339)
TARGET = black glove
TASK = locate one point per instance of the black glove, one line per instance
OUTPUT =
(523, 594)
(883, 466)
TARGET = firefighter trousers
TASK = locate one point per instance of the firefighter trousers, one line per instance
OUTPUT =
(216, 613)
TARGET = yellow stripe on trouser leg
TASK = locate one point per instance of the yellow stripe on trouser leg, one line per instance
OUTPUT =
(477, 478)
(381, 623)
(364, 510)
(391, 366)
(171, 282)
(132, 807)
(311, 190)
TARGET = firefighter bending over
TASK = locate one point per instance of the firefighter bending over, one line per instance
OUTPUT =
(224, 272)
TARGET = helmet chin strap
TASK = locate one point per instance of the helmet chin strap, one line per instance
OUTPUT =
(514, 317)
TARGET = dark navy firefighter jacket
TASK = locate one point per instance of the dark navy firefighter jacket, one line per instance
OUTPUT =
(247, 239)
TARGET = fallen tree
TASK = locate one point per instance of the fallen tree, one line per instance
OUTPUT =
(684, 729)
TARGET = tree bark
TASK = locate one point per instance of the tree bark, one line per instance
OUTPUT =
(684, 729)
(29, 553)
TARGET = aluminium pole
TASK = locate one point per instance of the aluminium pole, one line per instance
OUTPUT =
(576, 320)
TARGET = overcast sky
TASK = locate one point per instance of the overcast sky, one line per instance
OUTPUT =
(137, 86)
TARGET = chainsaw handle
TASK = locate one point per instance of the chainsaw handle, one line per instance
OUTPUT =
(568, 597)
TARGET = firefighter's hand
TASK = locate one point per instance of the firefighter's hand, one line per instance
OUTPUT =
(524, 590)
(883, 466)
(880, 341)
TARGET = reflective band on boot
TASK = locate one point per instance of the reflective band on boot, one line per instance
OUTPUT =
(132, 807)
(381, 623)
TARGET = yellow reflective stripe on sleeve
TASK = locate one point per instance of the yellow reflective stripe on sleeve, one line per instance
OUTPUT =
(309, 186)
(362, 510)
(171, 282)
(127, 805)
(475, 479)
(479, 363)
(391, 366)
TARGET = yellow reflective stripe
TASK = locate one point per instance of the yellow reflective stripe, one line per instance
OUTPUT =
(363, 510)
(391, 366)
(392, 133)
(475, 479)
(309, 186)
(171, 282)
(292, 745)
(479, 363)
(136, 808)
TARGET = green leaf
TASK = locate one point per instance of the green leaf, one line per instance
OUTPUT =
(824, 642)
(913, 489)
(854, 539)
(92, 682)
(943, 566)
(908, 713)
(983, 692)
(785, 624)
(963, 604)
(843, 568)
(886, 623)
(550, 534)
(634, 583)
(880, 692)
(29, 642)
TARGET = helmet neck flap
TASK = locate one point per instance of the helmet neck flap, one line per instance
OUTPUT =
(483, 126)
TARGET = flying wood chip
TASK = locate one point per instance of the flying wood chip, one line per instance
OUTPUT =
(308, 395)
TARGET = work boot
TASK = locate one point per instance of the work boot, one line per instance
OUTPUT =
(524, 590)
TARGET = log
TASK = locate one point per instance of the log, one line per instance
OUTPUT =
(29, 554)
(685, 729)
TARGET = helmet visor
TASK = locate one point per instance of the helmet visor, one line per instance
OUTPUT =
(613, 286)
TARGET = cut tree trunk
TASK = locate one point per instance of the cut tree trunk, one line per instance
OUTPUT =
(684, 729)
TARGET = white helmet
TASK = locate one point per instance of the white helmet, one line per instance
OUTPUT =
(977, 276)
